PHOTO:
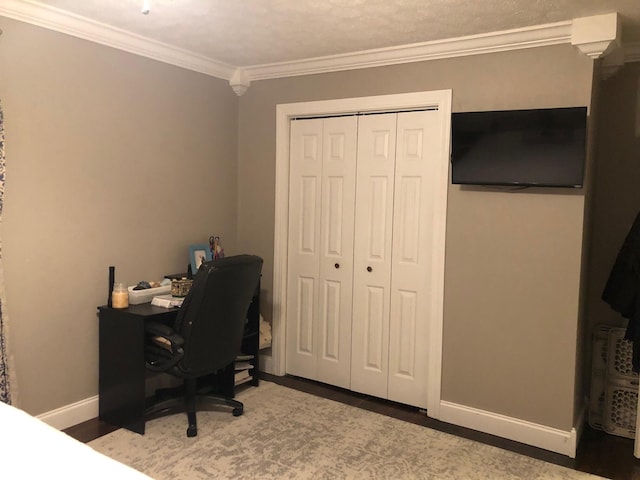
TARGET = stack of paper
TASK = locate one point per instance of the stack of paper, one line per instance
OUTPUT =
(242, 369)
(167, 301)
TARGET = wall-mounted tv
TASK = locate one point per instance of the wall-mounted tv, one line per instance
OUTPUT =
(542, 147)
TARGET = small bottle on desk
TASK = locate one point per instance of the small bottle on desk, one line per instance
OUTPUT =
(120, 296)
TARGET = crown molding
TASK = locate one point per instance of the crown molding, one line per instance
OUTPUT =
(240, 78)
(239, 82)
(65, 22)
(597, 36)
(515, 39)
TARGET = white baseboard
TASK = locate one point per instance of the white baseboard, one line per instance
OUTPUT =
(72, 414)
(83, 410)
(529, 433)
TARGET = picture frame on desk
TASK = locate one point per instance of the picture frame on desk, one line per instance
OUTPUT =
(197, 255)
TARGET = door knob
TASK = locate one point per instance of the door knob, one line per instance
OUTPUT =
(369, 269)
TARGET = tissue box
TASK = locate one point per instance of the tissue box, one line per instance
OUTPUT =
(144, 296)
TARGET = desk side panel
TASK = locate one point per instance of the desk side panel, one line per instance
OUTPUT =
(122, 369)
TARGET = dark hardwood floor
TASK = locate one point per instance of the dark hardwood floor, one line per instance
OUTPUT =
(598, 453)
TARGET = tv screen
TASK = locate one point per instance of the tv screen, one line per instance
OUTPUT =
(543, 147)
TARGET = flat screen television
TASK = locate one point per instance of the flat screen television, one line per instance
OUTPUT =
(542, 147)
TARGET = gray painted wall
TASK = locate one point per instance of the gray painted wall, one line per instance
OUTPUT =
(513, 259)
(112, 159)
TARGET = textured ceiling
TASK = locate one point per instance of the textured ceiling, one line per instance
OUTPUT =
(255, 32)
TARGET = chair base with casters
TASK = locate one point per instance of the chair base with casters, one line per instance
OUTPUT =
(185, 399)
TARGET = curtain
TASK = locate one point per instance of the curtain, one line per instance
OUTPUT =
(4, 372)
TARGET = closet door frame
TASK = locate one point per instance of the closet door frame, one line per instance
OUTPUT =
(438, 99)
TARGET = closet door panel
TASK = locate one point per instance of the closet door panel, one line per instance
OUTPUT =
(336, 250)
(374, 329)
(412, 252)
(304, 246)
(305, 290)
(372, 253)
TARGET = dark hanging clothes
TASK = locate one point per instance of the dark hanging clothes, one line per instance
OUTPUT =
(622, 291)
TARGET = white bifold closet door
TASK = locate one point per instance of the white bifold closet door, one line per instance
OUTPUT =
(320, 257)
(372, 260)
(358, 294)
(392, 262)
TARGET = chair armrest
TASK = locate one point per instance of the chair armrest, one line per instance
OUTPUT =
(164, 347)
(162, 330)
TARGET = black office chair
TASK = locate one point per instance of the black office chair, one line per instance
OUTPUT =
(206, 336)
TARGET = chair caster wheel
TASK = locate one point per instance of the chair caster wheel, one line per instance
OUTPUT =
(192, 431)
(237, 412)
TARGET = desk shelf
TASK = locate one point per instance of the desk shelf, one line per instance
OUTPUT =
(250, 342)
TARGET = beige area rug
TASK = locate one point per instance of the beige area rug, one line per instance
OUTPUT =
(287, 434)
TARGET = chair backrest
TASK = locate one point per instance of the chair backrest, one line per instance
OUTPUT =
(212, 317)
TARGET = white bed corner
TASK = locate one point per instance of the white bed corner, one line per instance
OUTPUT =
(29, 448)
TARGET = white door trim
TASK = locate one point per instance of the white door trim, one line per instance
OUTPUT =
(440, 99)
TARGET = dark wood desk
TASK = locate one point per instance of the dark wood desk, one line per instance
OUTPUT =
(122, 370)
